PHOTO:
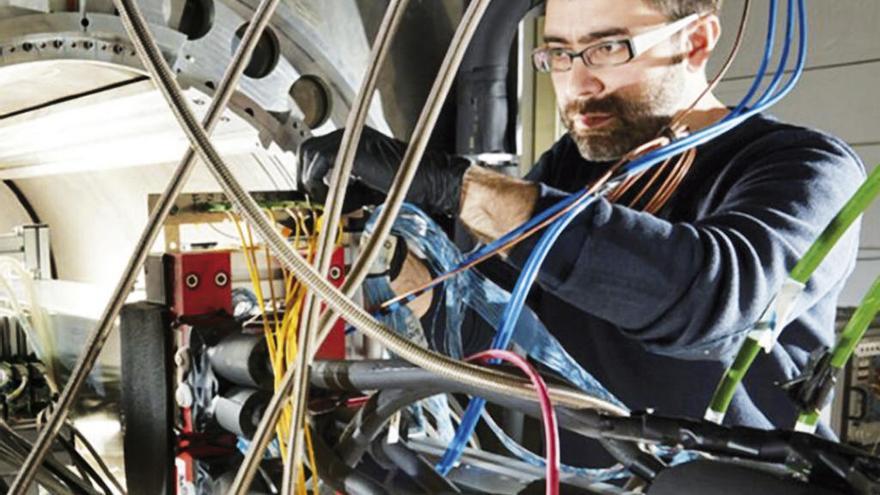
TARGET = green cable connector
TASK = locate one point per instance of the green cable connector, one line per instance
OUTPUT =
(863, 197)
(732, 378)
(846, 344)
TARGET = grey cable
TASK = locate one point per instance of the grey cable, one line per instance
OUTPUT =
(53, 476)
(157, 217)
(332, 214)
(97, 457)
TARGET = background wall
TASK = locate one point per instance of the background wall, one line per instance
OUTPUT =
(837, 92)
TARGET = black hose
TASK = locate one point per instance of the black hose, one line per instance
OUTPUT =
(482, 103)
(633, 458)
(19, 447)
(81, 464)
(742, 442)
(370, 420)
(416, 384)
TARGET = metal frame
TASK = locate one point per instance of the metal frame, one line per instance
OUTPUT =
(31, 244)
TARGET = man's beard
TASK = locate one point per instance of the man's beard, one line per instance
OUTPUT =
(637, 117)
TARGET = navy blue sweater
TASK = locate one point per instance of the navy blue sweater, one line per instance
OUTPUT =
(657, 306)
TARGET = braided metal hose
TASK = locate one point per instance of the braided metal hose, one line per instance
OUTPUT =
(396, 195)
(99, 335)
(473, 375)
(354, 127)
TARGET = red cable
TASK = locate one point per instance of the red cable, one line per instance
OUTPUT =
(551, 431)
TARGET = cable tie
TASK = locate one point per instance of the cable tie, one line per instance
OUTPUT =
(778, 314)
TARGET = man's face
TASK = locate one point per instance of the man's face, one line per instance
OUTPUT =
(610, 110)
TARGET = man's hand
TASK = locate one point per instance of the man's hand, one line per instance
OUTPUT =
(493, 204)
(435, 188)
(414, 274)
(373, 171)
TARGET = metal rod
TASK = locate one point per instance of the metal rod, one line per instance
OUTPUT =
(333, 210)
(402, 182)
(148, 237)
(474, 375)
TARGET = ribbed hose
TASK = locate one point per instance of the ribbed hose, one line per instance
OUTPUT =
(473, 375)
(470, 374)
(326, 238)
(396, 195)
(160, 212)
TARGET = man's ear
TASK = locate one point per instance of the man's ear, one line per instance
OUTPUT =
(701, 40)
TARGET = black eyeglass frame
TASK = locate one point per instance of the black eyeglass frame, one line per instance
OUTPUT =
(635, 45)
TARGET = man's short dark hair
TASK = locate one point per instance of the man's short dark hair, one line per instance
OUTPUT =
(677, 9)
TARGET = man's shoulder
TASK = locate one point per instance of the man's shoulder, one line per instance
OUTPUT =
(763, 143)
(765, 134)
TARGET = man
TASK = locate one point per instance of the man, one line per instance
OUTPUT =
(655, 305)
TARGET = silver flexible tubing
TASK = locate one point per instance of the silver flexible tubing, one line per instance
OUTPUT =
(396, 197)
(308, 344)
(160, 212)
(472, 375)
(340, 174)
(397, 193)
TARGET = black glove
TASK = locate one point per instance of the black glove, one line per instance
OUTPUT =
(436, 186)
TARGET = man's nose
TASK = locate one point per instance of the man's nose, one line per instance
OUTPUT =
(582, 81)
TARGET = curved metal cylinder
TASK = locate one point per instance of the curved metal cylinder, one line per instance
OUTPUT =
(243, 359)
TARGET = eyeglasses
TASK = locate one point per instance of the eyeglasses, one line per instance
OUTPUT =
(607, 53)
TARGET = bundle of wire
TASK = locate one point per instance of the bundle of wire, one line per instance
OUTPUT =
(427, 239)
(281, 333)
(566, 210)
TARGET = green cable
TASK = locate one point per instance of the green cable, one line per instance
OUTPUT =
(801, 273)
(860, 201)
(846, 344)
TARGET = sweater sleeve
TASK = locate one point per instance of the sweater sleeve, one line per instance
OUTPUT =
(691, 290)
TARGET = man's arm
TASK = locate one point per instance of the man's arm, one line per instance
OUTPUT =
(692, 289)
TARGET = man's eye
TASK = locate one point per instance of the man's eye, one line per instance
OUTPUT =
(556, 53)
(608, 48)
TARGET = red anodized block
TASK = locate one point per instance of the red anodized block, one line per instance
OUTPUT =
(334, 345)
(202, 283)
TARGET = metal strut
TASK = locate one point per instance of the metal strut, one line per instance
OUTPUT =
(148, 237)
(489, 379)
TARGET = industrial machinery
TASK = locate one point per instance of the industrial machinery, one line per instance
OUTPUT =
(257, 340)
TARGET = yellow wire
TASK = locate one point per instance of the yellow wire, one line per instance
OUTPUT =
(282, 342)
(251, 262)
(253, 271)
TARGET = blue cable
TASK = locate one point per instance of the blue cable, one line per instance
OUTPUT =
(654, 157)
(767, 100)
(532, 266)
